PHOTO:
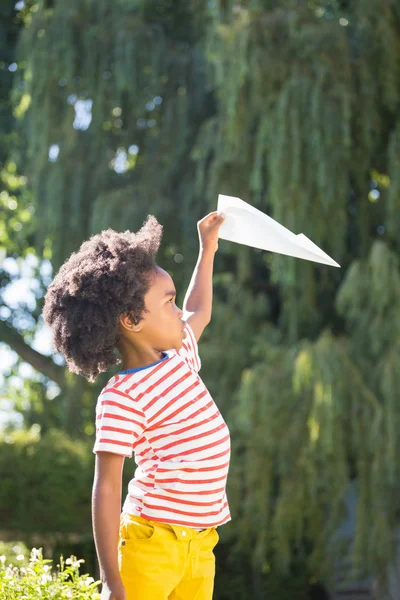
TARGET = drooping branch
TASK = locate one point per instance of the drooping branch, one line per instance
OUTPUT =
(38, 361)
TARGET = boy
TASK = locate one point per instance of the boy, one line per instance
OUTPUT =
(111, 294)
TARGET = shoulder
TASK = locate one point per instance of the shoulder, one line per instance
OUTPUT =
(119, 392)
(189, 351)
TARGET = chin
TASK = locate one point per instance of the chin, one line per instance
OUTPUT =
(179, 344)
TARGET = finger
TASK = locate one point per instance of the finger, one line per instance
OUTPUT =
(211, 220)
(219, 219)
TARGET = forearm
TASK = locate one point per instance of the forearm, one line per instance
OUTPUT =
(106, 511)
(199, 295)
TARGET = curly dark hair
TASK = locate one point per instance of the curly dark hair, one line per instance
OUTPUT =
(108, 276)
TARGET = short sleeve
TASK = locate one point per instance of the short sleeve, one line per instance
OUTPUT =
(120, 422)
(189, 351)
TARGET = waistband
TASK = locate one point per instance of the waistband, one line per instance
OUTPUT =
(181, 531)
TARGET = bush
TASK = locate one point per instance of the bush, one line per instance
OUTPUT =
(37, 580)
(45, 485)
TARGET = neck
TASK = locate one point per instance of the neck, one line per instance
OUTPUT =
(134, 357)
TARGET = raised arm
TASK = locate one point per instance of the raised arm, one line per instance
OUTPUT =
(197, 305)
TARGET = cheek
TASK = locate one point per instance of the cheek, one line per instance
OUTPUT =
(165, 318)
(167, 314)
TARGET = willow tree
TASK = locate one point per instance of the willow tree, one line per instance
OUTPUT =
(308, 128)
(138, 107)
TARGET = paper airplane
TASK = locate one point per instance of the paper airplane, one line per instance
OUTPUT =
(247, 225)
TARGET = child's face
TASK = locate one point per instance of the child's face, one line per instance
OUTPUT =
(161, 326)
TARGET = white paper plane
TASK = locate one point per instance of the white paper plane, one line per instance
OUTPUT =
(247, 225)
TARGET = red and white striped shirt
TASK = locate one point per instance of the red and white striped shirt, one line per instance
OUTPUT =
(165, 415)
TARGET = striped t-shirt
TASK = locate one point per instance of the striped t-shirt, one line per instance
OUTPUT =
(165, 415)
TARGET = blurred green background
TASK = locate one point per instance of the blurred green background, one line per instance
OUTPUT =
(110, 111)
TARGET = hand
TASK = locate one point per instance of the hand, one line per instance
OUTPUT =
(208, 229)
(113, 591)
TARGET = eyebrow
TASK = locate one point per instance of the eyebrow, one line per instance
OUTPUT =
(170, 293)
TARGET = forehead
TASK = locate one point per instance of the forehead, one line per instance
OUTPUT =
(161, 283)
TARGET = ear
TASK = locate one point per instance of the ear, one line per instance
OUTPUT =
(127, 324)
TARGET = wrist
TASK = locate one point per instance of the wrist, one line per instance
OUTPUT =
(207, 252)
(111, 578)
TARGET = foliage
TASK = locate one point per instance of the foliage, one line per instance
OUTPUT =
(37, 580)
(46, 482)
(336, 420)
(16, 203)
(237, 578)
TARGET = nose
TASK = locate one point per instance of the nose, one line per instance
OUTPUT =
(180, 313)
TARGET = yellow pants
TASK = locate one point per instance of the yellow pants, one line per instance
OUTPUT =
(158, 561)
